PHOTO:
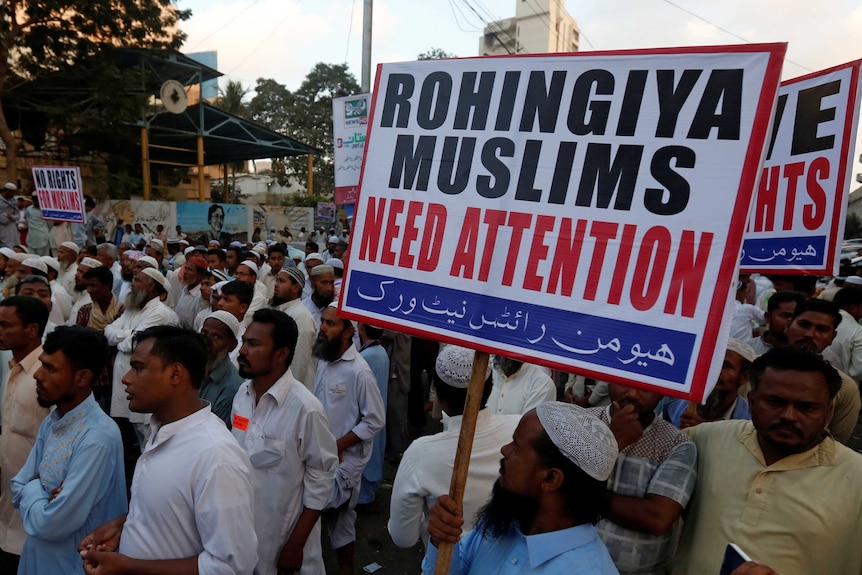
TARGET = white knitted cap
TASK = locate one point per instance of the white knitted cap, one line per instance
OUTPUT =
(250, 265)
(583, 438)
(743, 349)
(36, 264)
(157, 277)
(90, 263)
(72, 246)
(226, 318)
(454, 366)
(51, 262)
(150, 261)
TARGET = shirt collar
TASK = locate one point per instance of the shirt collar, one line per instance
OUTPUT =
(29, 363)
(453, 422)
(349, 354)
(543, 547)
(279, 389)
(81, 410)
(161, 433)
(821, 454)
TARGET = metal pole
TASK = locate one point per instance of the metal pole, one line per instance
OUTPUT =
(366, 45)
(145, 162)
(201, 194)
(310, 175)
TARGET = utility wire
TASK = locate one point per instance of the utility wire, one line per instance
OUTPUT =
(349, 30)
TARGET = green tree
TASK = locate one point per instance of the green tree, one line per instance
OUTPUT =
(435, 54)
(39, 36)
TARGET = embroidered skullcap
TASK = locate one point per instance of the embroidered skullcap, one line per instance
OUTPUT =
(36, 264)
(134, 255)
(227, 319)
(322, 269)
(220, 275)
(91, 263)
(217, 287)
(335, 263)
(157, 245)
(51, 262)
(250, 265)
(173, 241)
(8, 252)
(157, 277)
(854, 280)
(454, 366)
(742, 348)
(295, 274)
(149, 260)
(188, 250)
(72, 246)
(581, 437)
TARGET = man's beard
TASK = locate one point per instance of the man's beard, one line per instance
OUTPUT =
(277, 301)
(495, 519)
(80, 288)
(321, 301)
(64, 266)
(127, 276)
(713, 407)
(214, 362)
(325, 349)
(507, 365)
(49, 403)
(134, 300)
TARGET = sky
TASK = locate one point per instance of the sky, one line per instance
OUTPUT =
(283, 39)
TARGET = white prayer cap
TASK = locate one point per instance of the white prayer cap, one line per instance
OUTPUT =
(217, 287)
(236, 244)
(335, 263)
(322, 269)
(183, 241)
(157, 245)
(90, 263)
(36, 264)
(581, 437)
(333, 240)
(295, 254)
(314, 256)
(157, 277)
(743, 349)
(150, 261)
(8, 252)
(72, 246)
(51, 262)
(10, 186)
(259, 248)
(188, 250)
(854, 280)
(226, 318)
(24, 249)
(20, 257)
(454, 366)
(250, 265)
(214, 243)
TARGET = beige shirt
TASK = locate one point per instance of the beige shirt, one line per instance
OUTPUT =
(799, 515)
(22, 417)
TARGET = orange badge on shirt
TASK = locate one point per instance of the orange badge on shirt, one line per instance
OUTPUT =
(240, 422)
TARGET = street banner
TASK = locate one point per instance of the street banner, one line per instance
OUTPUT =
(61, 195)
(579, 211)
(796, 223)
(349, 126)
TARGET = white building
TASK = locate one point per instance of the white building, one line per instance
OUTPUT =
(539, 27)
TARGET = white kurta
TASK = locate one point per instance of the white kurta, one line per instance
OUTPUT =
(62, 300)
(120, 334)
(67, 277)
(316, 312)
(847, 345)
(192, 496)
(426, 470)
(522, 391)
(293, 460)
(304, 364)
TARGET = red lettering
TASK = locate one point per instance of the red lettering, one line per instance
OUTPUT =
(792, 173)
(814, 213)
(432, 239)
(538, 253)
(650, 269)
(767, 197)
(688, 272)
(371, 232)
(619, 281)
(519, 222)
(387, 256)
(465, 253)
(603, 232)
(494, 219)
(411, 232)
(566, 257)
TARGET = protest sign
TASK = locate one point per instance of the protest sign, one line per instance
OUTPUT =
(61, 195)
(583, 212)
(796, 223)
(349, 125)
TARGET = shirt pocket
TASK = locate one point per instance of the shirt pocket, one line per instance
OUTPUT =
(270, 454)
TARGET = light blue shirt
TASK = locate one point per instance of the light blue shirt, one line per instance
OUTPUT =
(573, 551)
(83, 452)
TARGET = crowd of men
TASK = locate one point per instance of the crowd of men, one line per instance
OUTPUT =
(175, 408)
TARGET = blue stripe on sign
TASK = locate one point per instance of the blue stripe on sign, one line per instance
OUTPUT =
(784, 252)
(63, 215)
(638, 349)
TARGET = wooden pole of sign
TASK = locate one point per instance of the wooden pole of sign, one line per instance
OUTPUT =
(465, 447)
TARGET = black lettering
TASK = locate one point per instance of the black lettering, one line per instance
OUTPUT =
(495, 185)
(434, 100)
(542, 101)
(562, 173)
(461, 169)
(415, 165)
(724, 88)
(478, 101)
(630, 109)
(776, 122)
(527, 176)
(40, 178)
(671, 99)
(602, 178)
(507, 101)
(597, 122)
(809, 116)
(677, 187)
(399, 90)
